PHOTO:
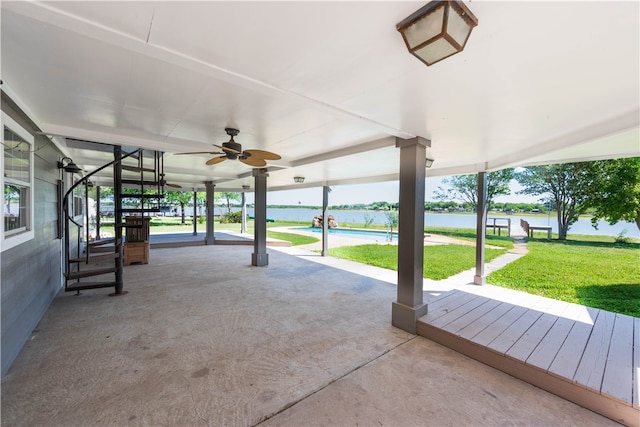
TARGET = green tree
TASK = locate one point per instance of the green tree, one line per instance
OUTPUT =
(228, 198)
(566, 186)
(465, 187)
(615, 191)
(179, 197)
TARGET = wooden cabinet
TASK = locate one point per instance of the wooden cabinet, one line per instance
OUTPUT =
(136, 244)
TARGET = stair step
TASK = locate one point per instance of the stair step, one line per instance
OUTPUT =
(96, 257)
(130, 168)
(139, 182)
(143, 196)
(102, 242)
(89, 273)
(139, 210)
(89, 285)
(103, 249)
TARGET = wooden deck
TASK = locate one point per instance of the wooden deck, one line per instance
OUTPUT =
(588, 356)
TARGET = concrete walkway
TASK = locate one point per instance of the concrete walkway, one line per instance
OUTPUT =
(204, 338)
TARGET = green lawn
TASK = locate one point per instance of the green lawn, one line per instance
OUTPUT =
(440, 261)
(592, 273)
(295, 239)
(469, 234)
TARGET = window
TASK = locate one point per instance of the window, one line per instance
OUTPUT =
(17, 181)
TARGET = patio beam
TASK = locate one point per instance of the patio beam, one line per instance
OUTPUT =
(410, 306)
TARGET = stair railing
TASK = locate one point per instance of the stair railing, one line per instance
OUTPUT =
(68, 218)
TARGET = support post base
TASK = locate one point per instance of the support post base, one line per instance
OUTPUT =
(405, 317)
(259, 260)
(479, 280)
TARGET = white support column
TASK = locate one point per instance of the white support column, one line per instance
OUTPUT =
(243, 221)
(481, 221)
(325, 220)
(410, 305)
(260, 257)
(210, 188)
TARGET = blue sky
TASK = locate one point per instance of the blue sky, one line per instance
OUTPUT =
(368, 193)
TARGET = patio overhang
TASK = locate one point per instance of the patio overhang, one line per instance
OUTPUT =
(329, 95)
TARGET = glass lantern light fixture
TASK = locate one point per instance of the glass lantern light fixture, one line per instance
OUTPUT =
(437, 30)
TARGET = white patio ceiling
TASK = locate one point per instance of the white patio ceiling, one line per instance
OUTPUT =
(328, 85)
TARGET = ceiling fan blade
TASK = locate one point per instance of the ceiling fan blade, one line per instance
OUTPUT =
(173, 185)
(137, 169)
(253, 161)
(230, 150)
(267, 155)
(216, 160)
(198, 152)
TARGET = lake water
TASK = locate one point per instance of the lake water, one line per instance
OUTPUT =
(583, 226)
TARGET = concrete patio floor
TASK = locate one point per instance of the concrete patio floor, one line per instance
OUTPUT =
(204, 338)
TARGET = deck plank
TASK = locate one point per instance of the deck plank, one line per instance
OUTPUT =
(471, 317)
(546, 351)
(618, 375)
(591, 368)
(490, 333)
(444, 305)
(503, 342)
(524, 346)
(636, 362)
(566, 361)
(458, 312)
(506, 303)
(471, 330)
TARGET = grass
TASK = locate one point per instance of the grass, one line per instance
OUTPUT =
(590, 272)
(469, 234)
(295, 239)
(440, 261)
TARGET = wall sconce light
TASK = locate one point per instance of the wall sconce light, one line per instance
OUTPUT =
(298, 179)
(429, 159)
(437, 30)
(70, 166)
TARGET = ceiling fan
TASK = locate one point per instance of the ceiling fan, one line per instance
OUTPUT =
(233, 151)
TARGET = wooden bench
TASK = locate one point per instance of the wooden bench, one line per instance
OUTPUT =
(529, 229)
(492, 223)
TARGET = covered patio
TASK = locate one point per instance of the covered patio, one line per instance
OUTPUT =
(308, 342)
(330, 90)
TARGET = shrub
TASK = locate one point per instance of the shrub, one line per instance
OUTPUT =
(622, 237)
(231, 218)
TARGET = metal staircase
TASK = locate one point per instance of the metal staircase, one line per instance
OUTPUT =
(98, 263)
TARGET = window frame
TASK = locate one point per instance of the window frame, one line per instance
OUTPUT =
(12, 238)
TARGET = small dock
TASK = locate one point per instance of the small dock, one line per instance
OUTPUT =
(588, 356)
